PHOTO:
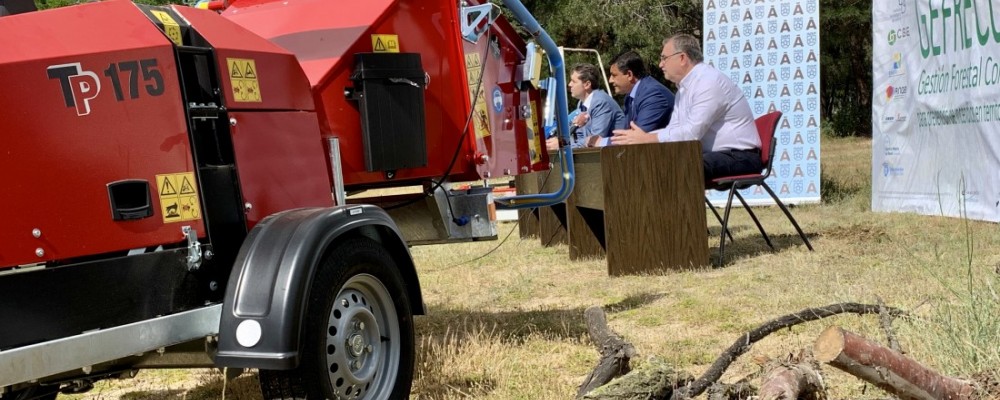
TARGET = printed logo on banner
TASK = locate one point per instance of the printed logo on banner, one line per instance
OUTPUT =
(896, 67)
(898, 11)
(895, 92)
(889, 170)
(812, 136)
(890, 147)
(898, 34)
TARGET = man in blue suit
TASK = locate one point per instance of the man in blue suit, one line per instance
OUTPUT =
(597, 114)
(647, 102)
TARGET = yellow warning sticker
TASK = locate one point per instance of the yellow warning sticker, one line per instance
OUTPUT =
(534, 138)
(385, 43)
(170, 27)
(480, 115)
(243, 76)
(178, 197)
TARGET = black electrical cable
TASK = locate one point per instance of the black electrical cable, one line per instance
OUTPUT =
(492, 250)
(544, 181)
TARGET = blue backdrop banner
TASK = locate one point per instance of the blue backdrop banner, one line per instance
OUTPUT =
(771, 50)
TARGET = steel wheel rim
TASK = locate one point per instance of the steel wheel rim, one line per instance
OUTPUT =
(363, 340)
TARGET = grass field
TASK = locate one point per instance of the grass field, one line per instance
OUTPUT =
(510, 325)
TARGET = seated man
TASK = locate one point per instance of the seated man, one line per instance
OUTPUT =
(597, 115)
(647, 102)
(710, 108)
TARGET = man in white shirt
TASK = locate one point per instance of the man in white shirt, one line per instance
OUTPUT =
(709, 107)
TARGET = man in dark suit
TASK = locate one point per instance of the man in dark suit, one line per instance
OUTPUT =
(647, 102)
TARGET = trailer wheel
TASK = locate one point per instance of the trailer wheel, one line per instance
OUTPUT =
(358, 334)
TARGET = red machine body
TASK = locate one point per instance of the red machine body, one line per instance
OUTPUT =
(103, 103)
(178, 169)
(66, 135)
(326, 35)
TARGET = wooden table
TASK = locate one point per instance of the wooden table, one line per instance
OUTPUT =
(641, 206)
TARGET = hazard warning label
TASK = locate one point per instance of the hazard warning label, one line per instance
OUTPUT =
(534, 138)
(178, 197)
(480, 114)
(243, 76)
(170, 26)
(385, 43)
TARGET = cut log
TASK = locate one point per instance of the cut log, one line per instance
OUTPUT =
(791, 382)
(887, 369)
(616, 353)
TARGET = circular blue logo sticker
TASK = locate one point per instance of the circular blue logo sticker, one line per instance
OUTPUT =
(497, 99)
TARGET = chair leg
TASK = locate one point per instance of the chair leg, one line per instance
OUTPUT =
(718, 217)
(725, 227)
(755, 220)
(789, 215)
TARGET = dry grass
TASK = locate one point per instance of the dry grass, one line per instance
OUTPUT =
(510, 325)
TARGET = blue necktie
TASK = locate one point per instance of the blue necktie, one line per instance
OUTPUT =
(576, 131)
(628, 108)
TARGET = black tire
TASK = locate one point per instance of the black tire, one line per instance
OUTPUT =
(357, 341)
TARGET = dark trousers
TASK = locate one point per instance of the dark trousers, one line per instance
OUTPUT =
(731, 162)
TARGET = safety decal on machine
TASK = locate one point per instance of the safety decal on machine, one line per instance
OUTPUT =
(385, 43)
(243, 77)
(497, 99)
(170, 26)
(480, 116)
(534, 138)
(178, 197)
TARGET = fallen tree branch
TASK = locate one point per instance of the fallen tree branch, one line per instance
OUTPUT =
(743, 344)
(615, 352)
(885, 320)
(887, 369)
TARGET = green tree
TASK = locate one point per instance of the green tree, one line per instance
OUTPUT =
(613, 26)
(846, 65)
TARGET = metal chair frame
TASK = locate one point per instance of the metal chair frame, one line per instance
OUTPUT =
(767, 124)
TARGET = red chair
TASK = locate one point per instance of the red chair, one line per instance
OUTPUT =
(766, 126)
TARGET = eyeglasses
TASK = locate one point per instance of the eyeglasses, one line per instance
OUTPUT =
(665, 58)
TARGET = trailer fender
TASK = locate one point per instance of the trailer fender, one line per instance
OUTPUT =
(273, 272)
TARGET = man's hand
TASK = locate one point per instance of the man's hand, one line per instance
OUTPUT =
(581, 119)
(552, 143)
(634, 135)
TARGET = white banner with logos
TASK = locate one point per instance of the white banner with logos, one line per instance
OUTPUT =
(771, 50)
(936, 108)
